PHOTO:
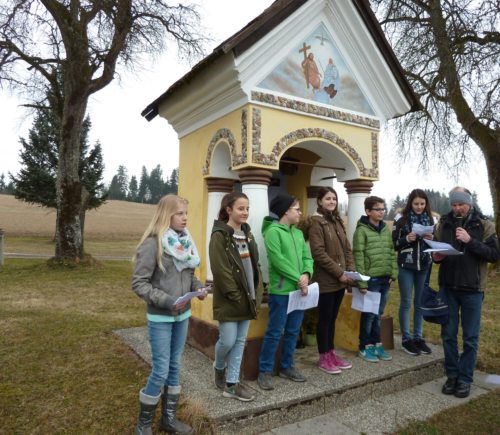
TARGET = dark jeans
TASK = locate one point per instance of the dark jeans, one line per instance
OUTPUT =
(328, 309)
(280, 324)
(369, 329)
(466, 305)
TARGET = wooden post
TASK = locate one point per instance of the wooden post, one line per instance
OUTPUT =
(1, 247)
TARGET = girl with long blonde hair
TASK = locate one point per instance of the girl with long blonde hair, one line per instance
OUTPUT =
(164, 271)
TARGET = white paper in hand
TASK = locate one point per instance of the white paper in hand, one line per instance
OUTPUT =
(368, 302)
(356, 276)
(298, 302)
(189, 296)
(443, 248)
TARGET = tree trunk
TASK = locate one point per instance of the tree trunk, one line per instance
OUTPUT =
(69, 241)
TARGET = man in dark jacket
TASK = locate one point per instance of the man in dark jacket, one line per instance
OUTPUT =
(463, 277)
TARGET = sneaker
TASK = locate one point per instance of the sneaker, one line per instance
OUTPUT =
(422, 346)
(368, 354)
(410, 347)
(265, 381)
(381, 353)
(239, 392)
(293, 374)
(327, 365)
(220, 378)
(339, 362)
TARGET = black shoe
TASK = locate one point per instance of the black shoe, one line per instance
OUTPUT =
(410, 348)
(449, 386)
(462, 390)
(422, 346)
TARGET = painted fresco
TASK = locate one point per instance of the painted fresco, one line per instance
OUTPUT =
(315, 70)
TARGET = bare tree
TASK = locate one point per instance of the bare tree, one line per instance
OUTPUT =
(450, 52)
(79, 44)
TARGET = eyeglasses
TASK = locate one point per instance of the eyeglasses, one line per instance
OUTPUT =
(379, 209)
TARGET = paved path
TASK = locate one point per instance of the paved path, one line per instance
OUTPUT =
(386, 414)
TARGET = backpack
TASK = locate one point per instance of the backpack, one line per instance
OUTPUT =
(434, 306)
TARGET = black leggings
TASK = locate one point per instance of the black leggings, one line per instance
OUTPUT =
(328, 307)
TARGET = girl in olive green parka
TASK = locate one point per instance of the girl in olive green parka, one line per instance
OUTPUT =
(234, 261)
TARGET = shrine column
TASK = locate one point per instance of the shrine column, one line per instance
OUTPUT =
(217, 188)
(254, 184)
(312, 195)
(357, 191)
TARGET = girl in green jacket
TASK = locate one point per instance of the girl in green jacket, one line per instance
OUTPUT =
(234, 261)
(290, 268)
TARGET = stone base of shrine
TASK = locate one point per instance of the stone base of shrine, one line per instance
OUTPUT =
(204, 333)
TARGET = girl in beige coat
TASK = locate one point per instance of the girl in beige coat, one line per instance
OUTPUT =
(332, 256)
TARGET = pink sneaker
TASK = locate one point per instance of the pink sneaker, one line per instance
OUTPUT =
(326, 364)
(339, 362)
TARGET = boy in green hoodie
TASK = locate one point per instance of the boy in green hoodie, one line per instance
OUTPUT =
(290, 268)
(374, 256)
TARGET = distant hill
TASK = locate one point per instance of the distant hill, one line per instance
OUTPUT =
(120, 219)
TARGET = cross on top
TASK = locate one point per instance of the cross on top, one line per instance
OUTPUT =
(304, 50)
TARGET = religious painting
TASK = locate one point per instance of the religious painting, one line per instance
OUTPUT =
(315, 70)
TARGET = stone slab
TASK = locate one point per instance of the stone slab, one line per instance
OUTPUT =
(290, 402)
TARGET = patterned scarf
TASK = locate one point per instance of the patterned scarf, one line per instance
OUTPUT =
(181, 247)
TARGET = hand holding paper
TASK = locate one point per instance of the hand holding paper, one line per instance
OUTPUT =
(368, 302)
(298, 301)
(442, 248)
(356, 276)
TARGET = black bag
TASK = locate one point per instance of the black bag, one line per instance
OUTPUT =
(434, 306)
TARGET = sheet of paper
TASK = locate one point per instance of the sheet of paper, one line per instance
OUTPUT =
(368, 302)
(422, 230)
(298, 302)
(189, 296)
(443, 248)
(356, 276)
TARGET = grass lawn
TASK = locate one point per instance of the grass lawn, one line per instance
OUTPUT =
(63, 371)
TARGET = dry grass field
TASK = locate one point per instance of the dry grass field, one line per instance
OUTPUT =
(113, 220)
(112, 230)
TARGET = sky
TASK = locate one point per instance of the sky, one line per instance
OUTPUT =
(128, 139)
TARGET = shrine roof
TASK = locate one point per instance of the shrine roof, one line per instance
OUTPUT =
(266, 22)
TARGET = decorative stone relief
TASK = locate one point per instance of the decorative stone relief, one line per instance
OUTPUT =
(313, 109)
(227, 135)
(373, 172)
(239, 159)
(272, 159)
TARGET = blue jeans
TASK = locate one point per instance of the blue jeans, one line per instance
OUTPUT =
(167, 341)
(468, 305)
(369, 329)
(409, 279)
(280, 324)
(230, 346)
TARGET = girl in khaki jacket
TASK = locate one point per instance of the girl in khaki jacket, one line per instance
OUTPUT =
(234, 260)
(332, 256)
